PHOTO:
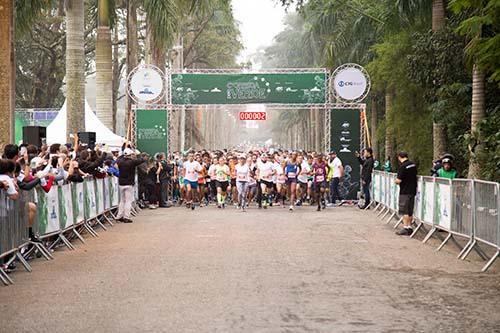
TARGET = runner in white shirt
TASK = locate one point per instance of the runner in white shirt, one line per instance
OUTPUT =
(303, 178)
(252, 182)
(191, 168)
(265, 174)
(242, 179)
(336, 173)
(280, 182)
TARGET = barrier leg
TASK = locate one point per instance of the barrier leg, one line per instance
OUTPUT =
(465, 248)
(480, 252)
(99, 223)
(66, 242)
(6, 280)
(420, 225)
(377, 206)
(429, 235)
(77, 234)
(444, 242)
(89, 229)
(490, 262)
(108, 220)
(382, 211)
(469, 249)
(385, 214)
(398, 223)
(43, 251)
(23, 262)
(390, 218)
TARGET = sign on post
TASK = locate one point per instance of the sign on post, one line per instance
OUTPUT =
(237, 88)
(151, 131)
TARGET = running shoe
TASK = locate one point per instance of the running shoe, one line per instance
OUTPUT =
(319, 209)
(291, 208)
(192, 206)
(405, 232)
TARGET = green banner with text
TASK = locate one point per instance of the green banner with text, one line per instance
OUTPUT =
(224, 88)
(151, 131)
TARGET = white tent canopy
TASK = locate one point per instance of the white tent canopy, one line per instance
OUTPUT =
(56, 131)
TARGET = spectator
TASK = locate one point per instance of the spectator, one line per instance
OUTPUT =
(447, 170)
(366, 174)
(164, 176)
(127, 164)
(7, 168)
(336, 172)
(407, 181)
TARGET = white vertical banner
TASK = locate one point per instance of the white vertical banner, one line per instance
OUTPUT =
(428, 201)
(443, 203)
(66, 206)
(79, 203)
(418, 200)
(100, 195)
(52, 211)
(92, 199)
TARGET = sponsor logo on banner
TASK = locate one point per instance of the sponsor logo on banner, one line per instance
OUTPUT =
(351, 83)
(147, 84)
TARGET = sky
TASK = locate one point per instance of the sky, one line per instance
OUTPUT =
(260, 21)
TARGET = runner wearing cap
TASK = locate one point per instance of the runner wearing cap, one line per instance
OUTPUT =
(190, 174)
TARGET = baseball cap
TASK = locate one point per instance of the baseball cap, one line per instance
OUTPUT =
(128, 152)
(446, 160)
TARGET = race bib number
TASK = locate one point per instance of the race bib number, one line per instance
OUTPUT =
(320, 178)
(291, 175)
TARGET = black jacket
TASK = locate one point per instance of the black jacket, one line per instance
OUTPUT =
(127, 166)
(367, 168)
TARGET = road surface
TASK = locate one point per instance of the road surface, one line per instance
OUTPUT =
(173, 270)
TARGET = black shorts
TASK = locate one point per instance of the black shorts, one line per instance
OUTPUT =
(291, 181)
(233, 182)
(406, 204)
(268, 184)
(319, 185)
(222, 185)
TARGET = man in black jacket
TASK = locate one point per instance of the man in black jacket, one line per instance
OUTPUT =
(127, 164)
(366, 173)
(164, 176)
(407, 181)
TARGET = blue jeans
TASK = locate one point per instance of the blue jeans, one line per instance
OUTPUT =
(334, 190)
(366, 192)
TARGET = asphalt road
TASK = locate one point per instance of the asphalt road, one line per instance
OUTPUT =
(174, 270)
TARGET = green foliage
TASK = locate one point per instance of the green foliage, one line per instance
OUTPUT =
(482, 27)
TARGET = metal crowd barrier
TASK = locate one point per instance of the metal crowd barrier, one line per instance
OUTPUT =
(62, 214)
(460, 207)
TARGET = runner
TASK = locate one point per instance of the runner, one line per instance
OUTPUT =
(252, 182)
(320, 170)
(302, 179)
(232, 171)
(202, 180)
(213, 178)
(265, 174)
(292, 170)
(222, 177)
(190, 174)
(242, 178)
(281, 182)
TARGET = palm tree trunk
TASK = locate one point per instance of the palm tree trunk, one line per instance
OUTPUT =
(389, 133)
(75, 67)
(374, 125)
(438, 14)
(438, 129)
(132, 46)
(477, 115)
(104, 66)
(116, 75)
(7, 71)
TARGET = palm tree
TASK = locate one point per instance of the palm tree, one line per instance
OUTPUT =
(477, 116)
(104, 64)
(7, 71)
(75, 67)
(25, 13)
(438, 128)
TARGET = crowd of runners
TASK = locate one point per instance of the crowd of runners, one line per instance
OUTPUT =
(262, 179)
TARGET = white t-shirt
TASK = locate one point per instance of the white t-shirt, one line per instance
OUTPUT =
(11, 190)
(242, 173)
(192, 169)
(335, 165)
(265, 170)
(305, 168)
(280, 174)
(276, 166)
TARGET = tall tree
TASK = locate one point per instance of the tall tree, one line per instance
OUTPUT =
(104, 63)
(438, 128)
(7, 71)
(75, 67)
